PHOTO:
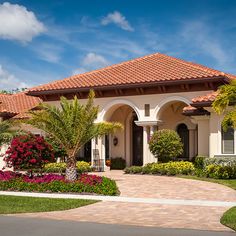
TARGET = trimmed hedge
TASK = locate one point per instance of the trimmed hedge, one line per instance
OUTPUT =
(220, 171)
(170, 168)
(82, 167)
(224, 161)
(199, 162)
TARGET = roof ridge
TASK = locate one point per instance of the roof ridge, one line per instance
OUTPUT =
(195, 65)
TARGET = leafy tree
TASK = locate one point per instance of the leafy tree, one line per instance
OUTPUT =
(72, 125)
(225, 102)
(7, 132)
(165, 145)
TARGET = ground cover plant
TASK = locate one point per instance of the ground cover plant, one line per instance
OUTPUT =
(12, 181)
(14, 204)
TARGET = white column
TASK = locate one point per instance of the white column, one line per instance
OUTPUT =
(151, 156)
(103, 151)
(145, 145)
(93, 147)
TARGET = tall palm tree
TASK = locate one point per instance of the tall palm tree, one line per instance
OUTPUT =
(7, 132)
(225, 102)
(72, 125)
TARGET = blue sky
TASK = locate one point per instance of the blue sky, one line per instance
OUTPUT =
(41, 41)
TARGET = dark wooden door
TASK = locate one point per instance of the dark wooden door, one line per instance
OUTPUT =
(183, 132)
(137, 144)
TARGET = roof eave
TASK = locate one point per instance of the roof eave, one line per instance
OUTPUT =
(120, 86)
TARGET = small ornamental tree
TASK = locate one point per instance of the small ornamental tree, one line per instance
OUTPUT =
(28, 152)
(165, 145)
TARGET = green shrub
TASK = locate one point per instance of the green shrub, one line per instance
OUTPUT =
(224, 161)
(133, 170)
(170, 168)
(220, 171)
(165, 145)
(118, 163)
(60, 167)
(199, 162)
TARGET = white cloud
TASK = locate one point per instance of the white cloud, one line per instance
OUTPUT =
(206, 42)
(90, 62)
(17, 23)
(118, 19)
(8, 81)
(48, 52)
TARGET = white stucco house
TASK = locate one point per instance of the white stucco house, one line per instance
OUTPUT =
(145, 94)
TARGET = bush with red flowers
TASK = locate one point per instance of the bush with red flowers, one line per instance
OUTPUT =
(12, 181)
(28, 152)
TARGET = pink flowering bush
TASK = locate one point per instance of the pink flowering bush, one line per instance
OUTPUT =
(12, 181)
(28, 151)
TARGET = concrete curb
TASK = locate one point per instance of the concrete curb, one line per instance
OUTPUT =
(183, 202)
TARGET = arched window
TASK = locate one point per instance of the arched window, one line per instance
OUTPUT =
(228, 141)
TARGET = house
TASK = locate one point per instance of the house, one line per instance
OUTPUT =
(146, 94)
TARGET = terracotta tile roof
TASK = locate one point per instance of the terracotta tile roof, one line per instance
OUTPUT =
(189, 108)
(148, 69)
(205, 98)
(17, 104)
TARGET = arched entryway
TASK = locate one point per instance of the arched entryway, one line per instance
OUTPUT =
(183, 132)
(128, 142)
(170, 116)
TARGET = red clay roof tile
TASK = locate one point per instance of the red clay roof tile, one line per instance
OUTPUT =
(152, 68)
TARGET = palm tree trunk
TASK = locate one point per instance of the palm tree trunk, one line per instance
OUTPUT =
(71, 170)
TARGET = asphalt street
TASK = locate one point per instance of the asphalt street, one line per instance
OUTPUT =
(19, 226)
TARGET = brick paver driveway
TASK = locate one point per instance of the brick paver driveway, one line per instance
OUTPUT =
(159, 215)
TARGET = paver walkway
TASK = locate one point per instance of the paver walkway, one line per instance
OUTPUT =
(149, 214)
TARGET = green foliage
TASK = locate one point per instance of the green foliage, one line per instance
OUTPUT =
(133, 170)
(224, 161)
(170, 168)
(220, 172)
(118, 163)
(59, 151)
(15, 204)
(226, 98)
(165, 145)
(7, 132)
(71, 125)
(106, 187)
(199, 162)
(82, 167)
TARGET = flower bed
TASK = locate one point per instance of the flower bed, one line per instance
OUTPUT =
(11, 181)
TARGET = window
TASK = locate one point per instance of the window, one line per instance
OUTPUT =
(147, 109)
(228, 140)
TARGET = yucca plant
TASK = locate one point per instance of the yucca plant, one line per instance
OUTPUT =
(72, 125)
(226, 102)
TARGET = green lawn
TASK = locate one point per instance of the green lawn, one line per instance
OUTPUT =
(227, 182)
(13, 204)
(229, 218)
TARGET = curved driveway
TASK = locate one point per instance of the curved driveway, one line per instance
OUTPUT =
(158, 215)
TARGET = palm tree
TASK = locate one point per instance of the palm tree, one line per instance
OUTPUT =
(226, 102)
(72, 125)
(7, 132)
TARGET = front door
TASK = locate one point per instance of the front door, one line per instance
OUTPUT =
(137, 136)
(183, 132)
